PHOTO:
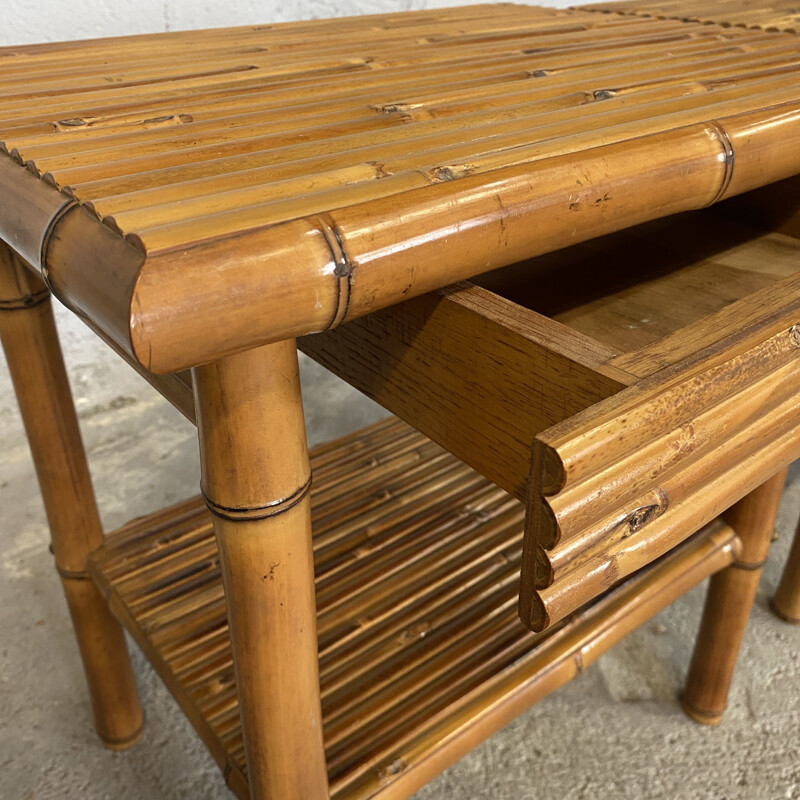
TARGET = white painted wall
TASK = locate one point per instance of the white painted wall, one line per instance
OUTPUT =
(99, 378)
(57, 20)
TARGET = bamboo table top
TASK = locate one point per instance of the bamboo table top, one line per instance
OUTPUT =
(779, 15)
(195, 194)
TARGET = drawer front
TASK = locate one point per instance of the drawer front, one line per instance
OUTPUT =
(618, 485)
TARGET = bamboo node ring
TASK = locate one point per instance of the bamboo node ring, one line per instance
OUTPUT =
(69, 204)
(641, 516)
(72, 575)
(342, 269)
(25, 301)
(256, 513)
(728, 159)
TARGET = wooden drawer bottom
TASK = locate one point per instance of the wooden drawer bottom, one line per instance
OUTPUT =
(422, 654)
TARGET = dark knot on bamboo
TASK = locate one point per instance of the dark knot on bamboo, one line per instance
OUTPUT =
(637, 519)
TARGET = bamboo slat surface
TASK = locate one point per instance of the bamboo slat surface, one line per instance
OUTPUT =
(422, 654)
(201, 193)
(779, 15)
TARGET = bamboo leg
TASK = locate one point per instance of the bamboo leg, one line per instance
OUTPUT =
(37, 370)
(786, 602)
(728, 603)
(256, 479)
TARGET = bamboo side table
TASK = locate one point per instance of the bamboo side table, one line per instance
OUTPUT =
(203, 200)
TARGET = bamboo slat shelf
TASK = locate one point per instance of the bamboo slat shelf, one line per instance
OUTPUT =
(422, 654)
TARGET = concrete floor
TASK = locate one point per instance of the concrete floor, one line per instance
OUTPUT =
(616, 732)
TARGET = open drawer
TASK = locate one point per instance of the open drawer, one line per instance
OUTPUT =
(628, 389)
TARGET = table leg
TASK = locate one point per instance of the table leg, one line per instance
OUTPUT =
(256, 480)
(786, 602)
(37, 370)
(730, 598)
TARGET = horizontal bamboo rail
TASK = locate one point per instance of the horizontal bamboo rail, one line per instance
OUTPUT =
(431, 123)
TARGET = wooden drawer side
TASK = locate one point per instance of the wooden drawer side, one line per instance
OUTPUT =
(476, 373)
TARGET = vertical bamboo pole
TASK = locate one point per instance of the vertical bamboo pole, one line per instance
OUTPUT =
(786, 602)
(728, 603)
(256, 480)
(37, 370)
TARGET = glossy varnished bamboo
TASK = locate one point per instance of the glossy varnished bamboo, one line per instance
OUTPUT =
(207, 201)
(256, 481)
(730, 598)
(204, 192)
(37, 370)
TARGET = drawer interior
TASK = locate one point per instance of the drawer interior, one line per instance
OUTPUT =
(633, 288)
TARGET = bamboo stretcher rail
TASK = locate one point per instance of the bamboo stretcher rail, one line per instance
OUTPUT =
(416, 598)
(779, 15)
(191, 213)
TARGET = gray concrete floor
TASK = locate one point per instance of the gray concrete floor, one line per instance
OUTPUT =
(615, 732)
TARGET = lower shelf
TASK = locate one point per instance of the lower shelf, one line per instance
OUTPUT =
(422, 655)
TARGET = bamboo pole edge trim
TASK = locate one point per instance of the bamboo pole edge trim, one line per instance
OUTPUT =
(256, 513)
(150, 342)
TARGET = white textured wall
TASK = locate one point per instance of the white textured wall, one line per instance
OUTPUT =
(57, 20)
